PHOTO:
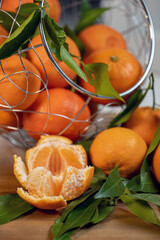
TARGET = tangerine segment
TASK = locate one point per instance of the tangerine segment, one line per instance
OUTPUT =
(120, 147)
(39, 155)
(76, 182)
(55, 155)
(43, 203)
(20, 171)
(100, 36)
(40, 183)
(61, 170)
(54, 139)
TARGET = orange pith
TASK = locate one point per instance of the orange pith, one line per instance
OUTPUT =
(56, 170)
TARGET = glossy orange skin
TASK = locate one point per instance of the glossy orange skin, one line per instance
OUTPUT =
(63, 102)
(8, 118)
(120, 147)
(14, 96)
(123, 73)
(54, 10)
(3, 33)
(156, 163)
(54, 78)
(144, 121)
(100, 36)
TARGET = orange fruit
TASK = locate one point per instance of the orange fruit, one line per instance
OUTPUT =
(100, 36)
(120, 147)
(54, 10)
(15, 82)
(9, 118)
(56, 171)
(156, 163)
(54, 78)
(144, 121)
(63, 102)
(123, 69)
(3, 34)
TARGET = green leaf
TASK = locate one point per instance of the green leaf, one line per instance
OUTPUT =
(98, 77)
(66, 236)
(98, 178)
(147, 162)
(20, 35)
(149, 186)
(6, 21)
(74, 37)
(103, 211)
(140, 208)
(134, 184)
(67, 59)
(77, 202)
(85, 7)
(27, 9)
(86, 144)
(88, 18)
(146, 181)
(148, 197)
(80, 215)
(113, 187)
(131, 105)
(11, 207)
(56, 33)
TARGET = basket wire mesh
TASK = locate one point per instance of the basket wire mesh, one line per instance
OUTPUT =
(131, 18)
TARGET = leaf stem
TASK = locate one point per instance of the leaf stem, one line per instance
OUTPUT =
(151, 77)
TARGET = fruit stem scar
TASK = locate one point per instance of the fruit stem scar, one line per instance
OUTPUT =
(114, 58)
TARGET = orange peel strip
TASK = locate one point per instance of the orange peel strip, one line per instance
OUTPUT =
(42, 203)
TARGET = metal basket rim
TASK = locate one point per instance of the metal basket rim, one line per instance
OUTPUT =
(88, 93)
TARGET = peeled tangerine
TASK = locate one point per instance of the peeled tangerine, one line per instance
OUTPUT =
(56, 171)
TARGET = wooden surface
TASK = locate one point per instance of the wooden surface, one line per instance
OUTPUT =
(121, 224)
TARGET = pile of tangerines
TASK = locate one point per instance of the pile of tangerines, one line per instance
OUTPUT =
(56, 170)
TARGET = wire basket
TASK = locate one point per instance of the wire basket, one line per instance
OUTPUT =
(132, 19)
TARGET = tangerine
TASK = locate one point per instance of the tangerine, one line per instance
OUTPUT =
(19, 82)
(156, 163)
(56, 171)
(54, 9)
(120, 147)
(123, 69)
(54, 77)
(54, 117)
(3, 34)
(8, 119)
(100, 36)
(144, 121)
